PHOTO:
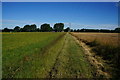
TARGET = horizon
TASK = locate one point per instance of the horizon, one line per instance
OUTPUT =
(89, 15)
(64, 27)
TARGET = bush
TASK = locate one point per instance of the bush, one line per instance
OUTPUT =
(93, 43)
(112, 54)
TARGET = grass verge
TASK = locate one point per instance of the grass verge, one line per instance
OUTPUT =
(108, 52)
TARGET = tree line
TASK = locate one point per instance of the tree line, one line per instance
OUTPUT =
(116, 30)
(58, 27)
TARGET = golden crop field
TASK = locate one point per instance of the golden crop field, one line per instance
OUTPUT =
(105, 45)
(102, 38)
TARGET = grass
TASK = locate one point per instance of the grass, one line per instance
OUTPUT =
(105, 45)
(71, 62)
(22, 52)
(43, 55)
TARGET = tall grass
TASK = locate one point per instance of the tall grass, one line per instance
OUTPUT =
(105, 45)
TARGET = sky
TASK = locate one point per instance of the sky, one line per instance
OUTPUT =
(92, 15)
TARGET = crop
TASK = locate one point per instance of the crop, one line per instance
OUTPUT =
(105, 45)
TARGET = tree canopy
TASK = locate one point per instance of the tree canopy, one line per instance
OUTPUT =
(67, 29)
(33, 27)
(29, 28)
(58, 27)
(117, 30)
(46, 28)
(17, 29)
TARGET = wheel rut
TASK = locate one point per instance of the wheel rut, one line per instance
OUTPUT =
(53, 71)
(69, 61)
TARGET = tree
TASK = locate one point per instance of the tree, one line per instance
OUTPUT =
(58, 27)
(75, 30)
(83, 30)
(78, 30)
(38, 30)
(46, 28)
(117, 30)
(26, 28)
(7, 30)
(33, 28)
(17, 29)
(29, 28)
(71, 30)
(67, 29)
(51, 29)
(104, 30)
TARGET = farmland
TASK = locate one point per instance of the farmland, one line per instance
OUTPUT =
(105, 45)
(59, 55)
(60, 40)
(43, 55)
(102, 38)
(22, 50)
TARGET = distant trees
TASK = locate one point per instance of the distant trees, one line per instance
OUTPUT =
(71, 30)
(33, 28)
(7, 30)
(117, 30)
(67, 29)
(46, 28)
(96, 30)
(58, 27)
(29, 28)
(17, 29)
(26, 28)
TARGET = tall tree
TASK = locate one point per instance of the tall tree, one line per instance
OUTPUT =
(33, 28)
(46, 27)
(17, 29)
(26, 28)
(29, 28)
(58, 27)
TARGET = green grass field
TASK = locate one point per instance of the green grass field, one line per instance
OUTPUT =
(21, 50)
(43, 55)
